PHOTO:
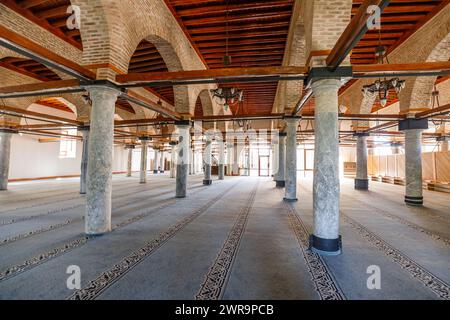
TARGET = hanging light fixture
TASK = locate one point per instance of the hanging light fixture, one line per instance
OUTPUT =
(383, 86)
(227, 96)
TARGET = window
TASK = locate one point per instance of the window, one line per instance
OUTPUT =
(68, 146)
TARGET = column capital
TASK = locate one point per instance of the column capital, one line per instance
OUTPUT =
(173, 143)
(292, 120)
(323, 76)
(130, 146)
(144, 138)
(180, 123)
(282, 134)
(8, 130)
(84, 128)
(104, 87)
(411, 124)
(361, 134)
(443, 138)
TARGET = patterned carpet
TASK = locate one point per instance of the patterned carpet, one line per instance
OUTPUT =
(234, 239)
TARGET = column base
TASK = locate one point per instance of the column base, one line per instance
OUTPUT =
(290, 200)
(161, 171)
(326, 247)
(180, 196)
(361, 184)
(414, 201)
(207, 182)
(155, 171)
(280, 183)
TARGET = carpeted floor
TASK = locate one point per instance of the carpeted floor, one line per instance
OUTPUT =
(234, 239)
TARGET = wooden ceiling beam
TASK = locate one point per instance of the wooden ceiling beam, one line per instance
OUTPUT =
(238, 19)
(411, 67)
(20, 42)
(40, 115)
(234, 8)
(352, 34)
(195, 31)
(56, 12)
(24, 11)
(216, 73)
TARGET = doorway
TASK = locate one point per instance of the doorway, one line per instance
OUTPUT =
(264, 166)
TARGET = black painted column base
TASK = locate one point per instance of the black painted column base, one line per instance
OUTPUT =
(207, 182)
(155, 171)
(161, 171)
(361, 184)
(280, 183)
(414, 201)
(326, 247)
(290, 200)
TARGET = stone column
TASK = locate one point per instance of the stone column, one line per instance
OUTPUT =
(413, 158)
(84, 158)
(182, 157)
(230, 154)
(275, 157)
(156, 161)
(444, 143)
(413, 167)
(130, 148)
(236, 153)
(361, 180)
(325, 238)
(280, 174)
(221, 160)
(100, 158)
(173, 160)
(5, 151)
(249, 162)
(290, 172)
(207, 160)
(192, 165)
(162, 162)
(144, 155)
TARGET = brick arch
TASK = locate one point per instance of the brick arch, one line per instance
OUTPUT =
(112, 29)
(419, 93)
(289, 92)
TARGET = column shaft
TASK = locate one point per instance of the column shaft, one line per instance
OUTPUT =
(413, 166)
(221, 160)
(84, 160)
(280, 175)
(207, 160)
(290, 163)
(100, 158)
(162, 162)
(361, 181)
(182, 160)
(325, 238)
(143, 168)
(172, 161)
(5, 153)
(129, 162)
(156, 161)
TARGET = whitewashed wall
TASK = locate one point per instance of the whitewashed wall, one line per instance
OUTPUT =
(32, 159)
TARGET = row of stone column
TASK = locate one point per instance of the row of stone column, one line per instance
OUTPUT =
(413, 160)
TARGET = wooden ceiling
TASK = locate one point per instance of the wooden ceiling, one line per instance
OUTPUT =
(54, 103)
(257, 33)
(399, 20)
(146, 58)
(29, 68)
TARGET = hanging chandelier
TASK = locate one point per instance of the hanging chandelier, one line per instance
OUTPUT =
(227, 96)
(381, 87)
